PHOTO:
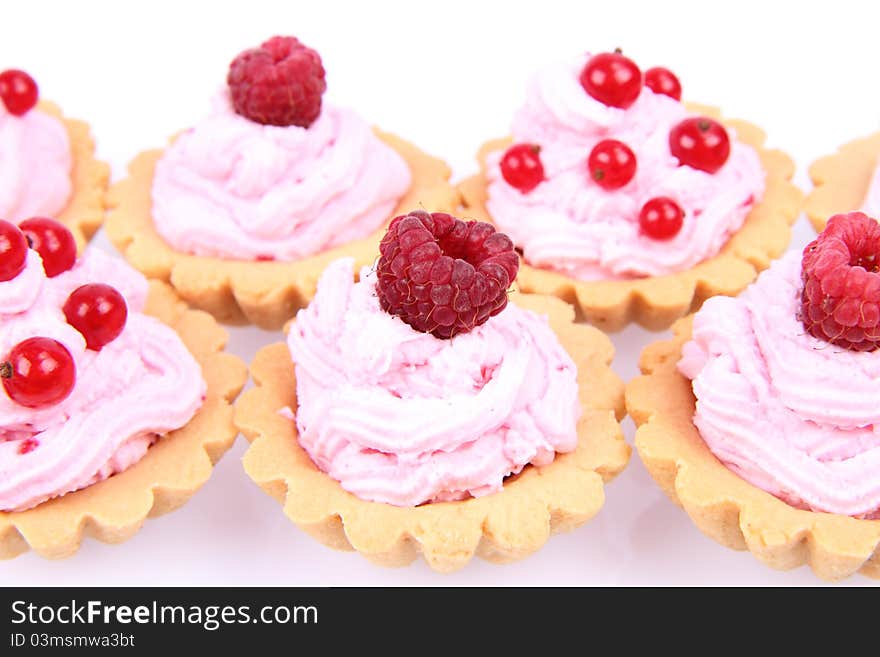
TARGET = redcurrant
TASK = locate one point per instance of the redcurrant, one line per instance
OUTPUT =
(612, 79)
(701, 143)
(18, 91)
(53, 242)
(97, 311)
(13, 251)
(661, 218)
(663, 81)
(38, 372)
(521, 167)
(612, 164)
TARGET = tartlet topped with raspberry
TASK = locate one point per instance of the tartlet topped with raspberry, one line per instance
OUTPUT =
(784, 408)
(114, 400)
(242, 211)
(628, 202)
(426, 400)
(47, 161)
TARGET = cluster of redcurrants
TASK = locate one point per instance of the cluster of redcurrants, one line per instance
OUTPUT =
(615, 80)
(40, 371)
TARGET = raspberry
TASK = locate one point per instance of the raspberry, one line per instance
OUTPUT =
(840, 302)
(279, 83)
(442, 275)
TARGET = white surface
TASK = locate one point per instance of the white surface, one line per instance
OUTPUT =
(447, 75)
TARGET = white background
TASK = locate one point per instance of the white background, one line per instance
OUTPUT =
(447, 75)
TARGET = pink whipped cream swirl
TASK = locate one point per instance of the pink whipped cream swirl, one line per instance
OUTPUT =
(404, 418)
(570, 224)
(35, 165)
(143, 384)
(789, 413)
(233, 188)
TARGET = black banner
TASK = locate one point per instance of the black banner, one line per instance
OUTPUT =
(142, 620)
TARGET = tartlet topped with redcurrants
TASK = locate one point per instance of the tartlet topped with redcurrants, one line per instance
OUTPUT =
(242, 211)
(114, 400)
(47, 162)
(761, 416)
(627, 202)
(414, 410)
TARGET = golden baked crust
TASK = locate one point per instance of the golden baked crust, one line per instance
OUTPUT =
(240, 291)
(173, 469)
(841, 180)
(725, 507)
(501, 527)
(655, 302)
(84, 212)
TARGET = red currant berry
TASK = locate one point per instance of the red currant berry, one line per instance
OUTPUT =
(521, 167)
(53, 242)
(663, 81)
(612, 164)
(97, 311)
(38, 372)
(13, 251)
(18, 91)
(661, 218)
(612, 79)
(701, 143)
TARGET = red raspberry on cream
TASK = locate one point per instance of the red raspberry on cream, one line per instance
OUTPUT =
(442, 275)
(840, 301)
(280, 83)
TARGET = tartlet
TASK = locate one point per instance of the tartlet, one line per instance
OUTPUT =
(654, 301)
(725, 507)
(290, 186)
(169, 473)
(842, 180)
(759, 416)
(396, 472)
